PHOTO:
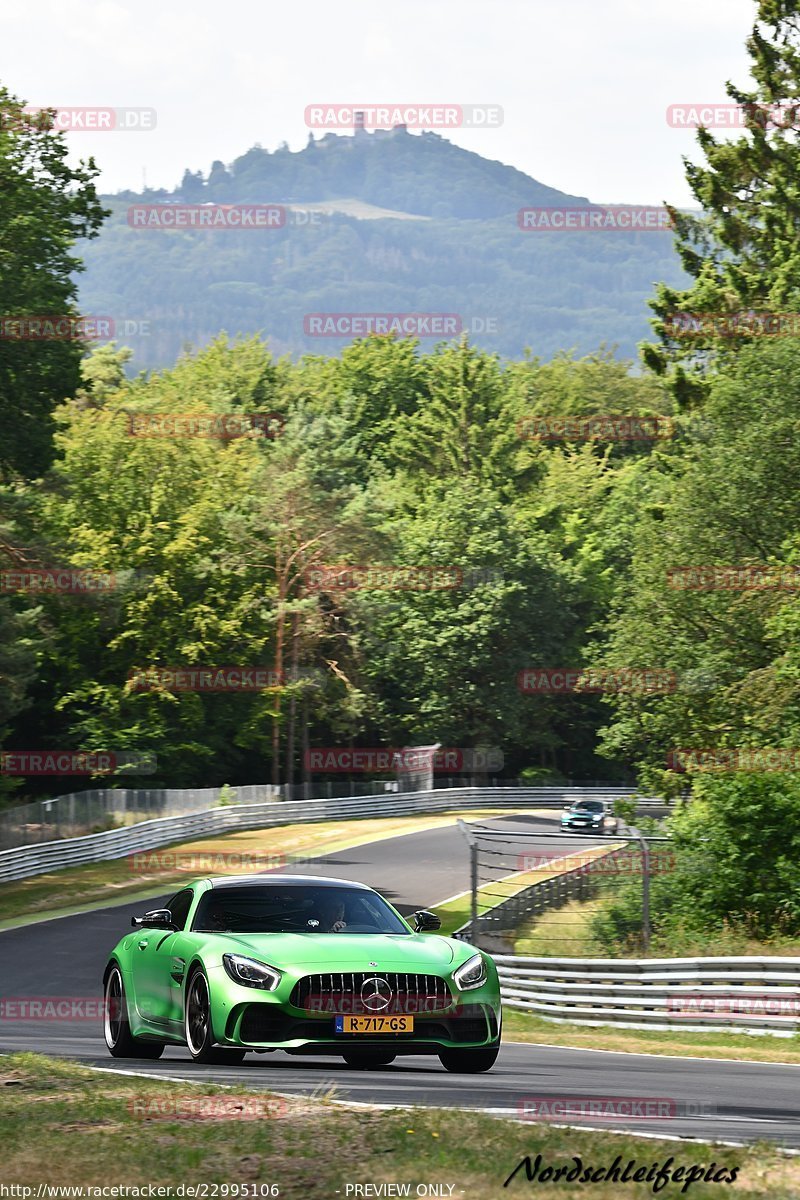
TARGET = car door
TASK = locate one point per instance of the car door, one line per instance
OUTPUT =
(159, 966)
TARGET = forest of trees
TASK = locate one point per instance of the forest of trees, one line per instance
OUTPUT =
(386, 456)
(570, 548)
(513, 289)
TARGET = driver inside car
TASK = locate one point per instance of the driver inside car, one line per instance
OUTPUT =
(331, 914)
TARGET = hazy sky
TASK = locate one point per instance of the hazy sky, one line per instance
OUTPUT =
(584, 84)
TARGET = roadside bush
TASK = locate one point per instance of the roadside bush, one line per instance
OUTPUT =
(736, 876)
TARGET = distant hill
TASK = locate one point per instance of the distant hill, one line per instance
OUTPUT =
(351, 244)
(413, 173)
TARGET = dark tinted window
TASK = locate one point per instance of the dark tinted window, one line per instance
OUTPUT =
(593, 806)
(179, 906)
(287, 908)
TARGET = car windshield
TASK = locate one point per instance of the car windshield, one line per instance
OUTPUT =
(592, 806)
(295, 908)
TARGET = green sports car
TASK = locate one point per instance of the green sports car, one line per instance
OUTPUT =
(301, 964)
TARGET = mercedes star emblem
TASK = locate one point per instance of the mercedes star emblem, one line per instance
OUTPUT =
(376, 994)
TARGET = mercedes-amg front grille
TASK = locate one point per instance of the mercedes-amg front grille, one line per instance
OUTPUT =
(375, 992)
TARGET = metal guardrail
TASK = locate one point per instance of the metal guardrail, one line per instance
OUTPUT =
(26, 861)
(756, 995)
(577, 883)
(99, 809)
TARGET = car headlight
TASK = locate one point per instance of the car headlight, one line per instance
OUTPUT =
(251, 973)
(471, 974)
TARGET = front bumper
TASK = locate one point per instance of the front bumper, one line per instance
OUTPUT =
(270, 1026)
(259, 1020)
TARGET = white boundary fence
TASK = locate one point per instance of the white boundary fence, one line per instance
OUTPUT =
(754, 995)
(575, 883)
(23, 862)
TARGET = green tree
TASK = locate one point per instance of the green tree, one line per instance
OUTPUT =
(21, 646)
(47, 206)
(727, 495)
(444, 660)
(742, 253)
(464, 427)
(731, 872)
(154, 513)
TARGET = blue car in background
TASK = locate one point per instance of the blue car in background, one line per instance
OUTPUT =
(589, 816)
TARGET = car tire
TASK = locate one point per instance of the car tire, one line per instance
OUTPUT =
(120, 1041)
(365, 1060)
(469, 1062)
(197, 1026)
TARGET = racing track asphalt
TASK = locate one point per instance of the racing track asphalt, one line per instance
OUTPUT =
(707, 1099)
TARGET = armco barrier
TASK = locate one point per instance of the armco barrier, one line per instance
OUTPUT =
(26, 861)
(98, 809)
(756, 995)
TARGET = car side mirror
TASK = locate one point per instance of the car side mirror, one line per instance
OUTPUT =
(425, 922)
(157, 918)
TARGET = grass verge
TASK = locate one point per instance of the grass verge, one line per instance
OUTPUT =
(565, 932)
(59, 893)
(521, 1026)
(62, 1124)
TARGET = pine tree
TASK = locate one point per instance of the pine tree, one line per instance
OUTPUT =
(743, 252)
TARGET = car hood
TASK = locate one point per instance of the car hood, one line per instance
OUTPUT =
(340, 952)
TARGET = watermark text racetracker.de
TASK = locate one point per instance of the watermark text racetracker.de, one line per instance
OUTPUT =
(569, 1109)
(383, 115)
(204, 425)
(77, 762)
(558, 681)
(61, 327)
(373, 998)
(208, 862)
(381, 577)
(204, 679)
(721, 759)
(781, 114)
(740, 1004)
(74, 581)
(743, 577)
(628, 862)
(141, 1191)
(208, 216)
(402, 324)
(446, 759)
(207, 1108)
(80, 119)
(745, 323)
(52, 1008)
(613, 428)
(615, 218)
